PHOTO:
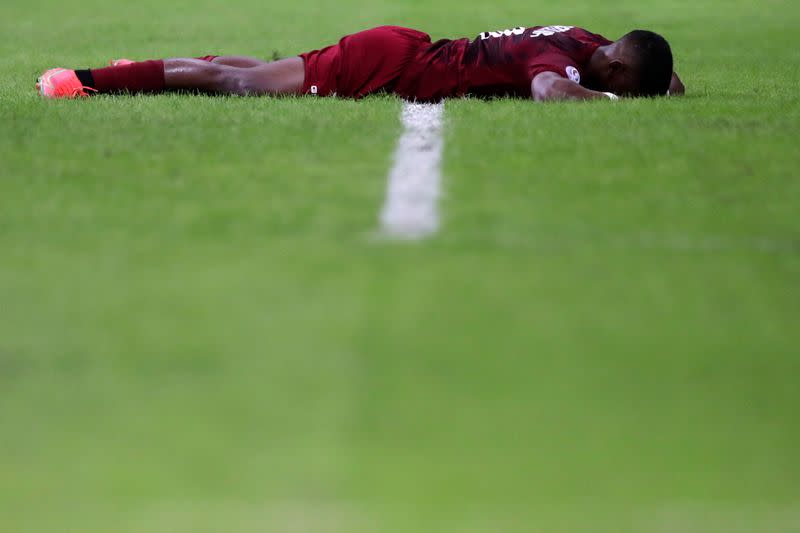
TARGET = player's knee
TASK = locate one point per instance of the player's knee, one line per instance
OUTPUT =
(255, 82)
(243, 83)
(227, 79)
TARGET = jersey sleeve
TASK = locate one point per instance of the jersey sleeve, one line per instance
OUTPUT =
(561, 64)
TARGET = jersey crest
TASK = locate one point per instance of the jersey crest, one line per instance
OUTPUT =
(573, 74)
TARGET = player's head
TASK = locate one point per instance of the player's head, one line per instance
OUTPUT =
(639, 64)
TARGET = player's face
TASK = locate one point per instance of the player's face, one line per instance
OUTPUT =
(622, 79)
(620, 74)
(624, 86)
(614, 75)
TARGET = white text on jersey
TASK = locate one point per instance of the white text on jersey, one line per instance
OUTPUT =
(541, 32)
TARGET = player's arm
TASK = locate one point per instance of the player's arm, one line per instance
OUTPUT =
(551, 86)
(676, 87)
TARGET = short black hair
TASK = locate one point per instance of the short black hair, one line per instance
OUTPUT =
(652, 61)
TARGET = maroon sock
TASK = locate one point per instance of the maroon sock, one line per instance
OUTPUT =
(143, 77)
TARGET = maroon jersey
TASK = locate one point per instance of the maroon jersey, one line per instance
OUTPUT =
(405, 62)
(498, 63)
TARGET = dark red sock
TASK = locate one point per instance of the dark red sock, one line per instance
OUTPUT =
(143, 77)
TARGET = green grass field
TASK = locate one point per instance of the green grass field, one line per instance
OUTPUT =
(198, 333)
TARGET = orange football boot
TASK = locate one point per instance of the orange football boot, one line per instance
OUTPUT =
(61, 83)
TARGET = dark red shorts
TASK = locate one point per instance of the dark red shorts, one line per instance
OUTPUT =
(362, 63)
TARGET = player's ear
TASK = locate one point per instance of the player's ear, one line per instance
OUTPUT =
(616, 66)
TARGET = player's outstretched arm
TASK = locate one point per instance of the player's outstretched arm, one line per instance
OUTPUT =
(551, 86)
(676, 87)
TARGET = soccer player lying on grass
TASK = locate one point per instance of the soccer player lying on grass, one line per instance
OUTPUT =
(543, 62)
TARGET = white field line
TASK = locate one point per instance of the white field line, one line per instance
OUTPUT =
(410, 210)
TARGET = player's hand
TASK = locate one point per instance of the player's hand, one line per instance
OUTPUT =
(550, 86)
(676, 87)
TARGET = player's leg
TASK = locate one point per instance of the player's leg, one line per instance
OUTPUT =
(280, 77)
(231, 61)
(238, 61)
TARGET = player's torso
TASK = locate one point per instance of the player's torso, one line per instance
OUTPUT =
(503, 62)
(498, 63)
